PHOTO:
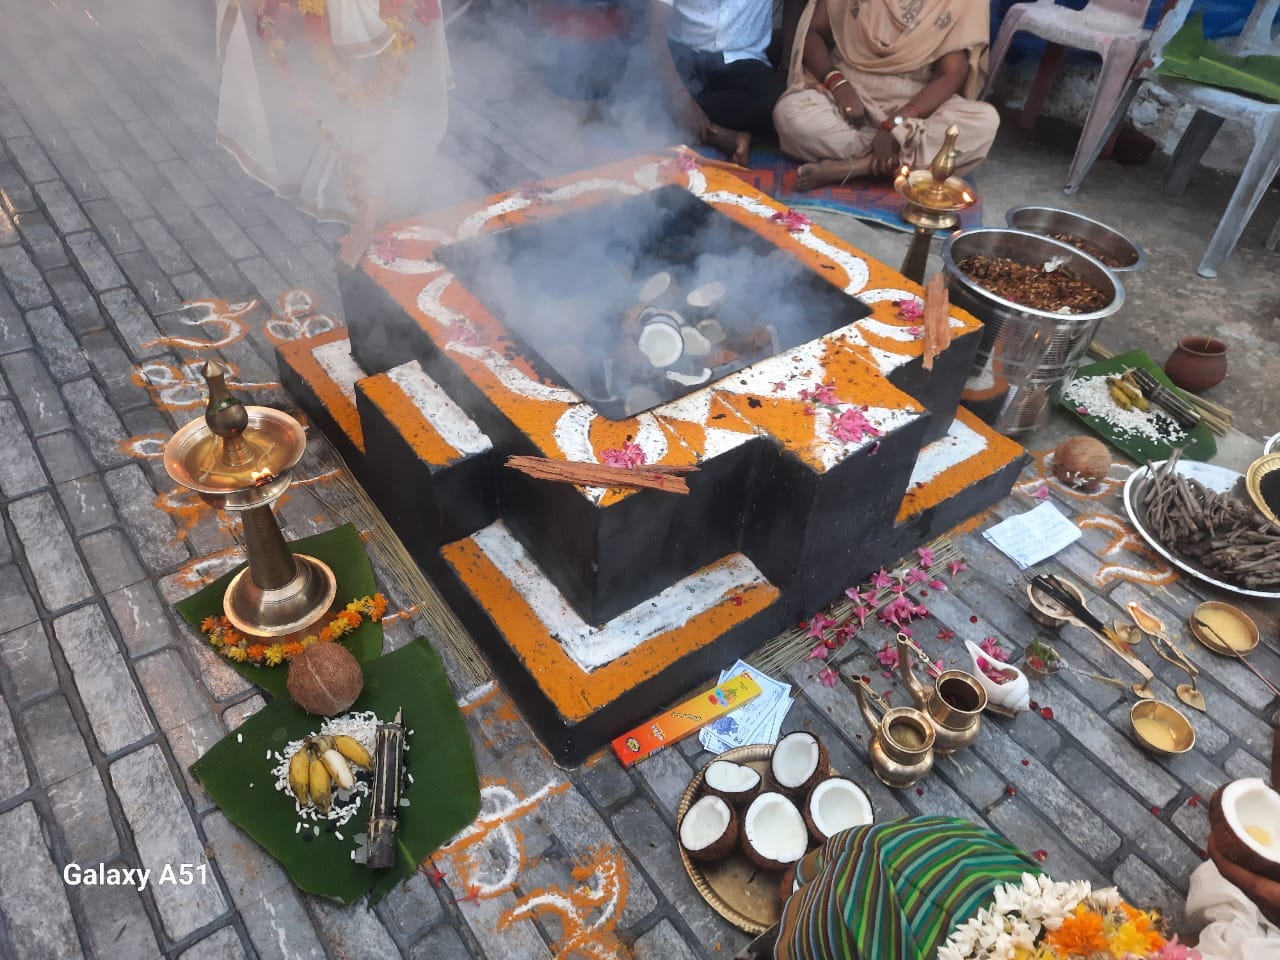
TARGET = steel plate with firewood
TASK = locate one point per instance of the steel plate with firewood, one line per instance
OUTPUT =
(750, 814)
(1197, 517)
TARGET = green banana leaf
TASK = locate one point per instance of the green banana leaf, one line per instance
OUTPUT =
(443, 797)
(342, 550)
(1189, 56)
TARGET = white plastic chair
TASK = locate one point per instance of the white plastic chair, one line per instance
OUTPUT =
(1111, 28)
(1213, 106)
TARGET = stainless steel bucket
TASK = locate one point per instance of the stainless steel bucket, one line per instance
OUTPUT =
(1026, 355)
(1047, 220)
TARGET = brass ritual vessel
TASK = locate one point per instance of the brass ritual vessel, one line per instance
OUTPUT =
(238, 458)
(901, 739)
(934, 199)
(953, 705)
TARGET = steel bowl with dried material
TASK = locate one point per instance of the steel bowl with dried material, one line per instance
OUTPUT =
(1097, 239)
(1026, 354)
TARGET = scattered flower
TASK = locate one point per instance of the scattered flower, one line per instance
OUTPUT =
(779, 386)
(1173, 950)
(828, 676)
(818, 653)
(915, 575)
(946, 635)
(1041, 492)
(473, 896)
(955, 566)
(1046, 712)
(881, 580)
(926, 556)
(888, 655)
(1040, 855)
(937, 585)
(851, 426)
(1194, 801)
(861, 611)
(818, 625)
(973, 618)
(1155, 811)
(1011, 790)
(386, 250)
(628, 455)
(436, 876)
(909, 310)
(736, 600)
(1026, 762)
(1082, 410)
(915, 331)
(919, 791)
(793, 221)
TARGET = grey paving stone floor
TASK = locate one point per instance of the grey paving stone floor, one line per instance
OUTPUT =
(129, 245)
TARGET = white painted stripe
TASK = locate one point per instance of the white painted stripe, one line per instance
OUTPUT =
(336, 361)
(960, 443)
(430, 400)
(593, 647)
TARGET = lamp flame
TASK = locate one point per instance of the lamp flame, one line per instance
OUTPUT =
(967, 196)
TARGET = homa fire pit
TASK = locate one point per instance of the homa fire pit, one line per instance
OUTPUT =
(528, 323)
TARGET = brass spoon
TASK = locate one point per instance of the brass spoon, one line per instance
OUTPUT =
(1188, 693)
(1217, 638)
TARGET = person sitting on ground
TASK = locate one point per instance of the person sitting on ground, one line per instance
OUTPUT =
(874, 84)
(710, 58)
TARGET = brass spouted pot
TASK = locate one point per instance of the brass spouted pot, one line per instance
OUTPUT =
(902, 738)
(954, 703)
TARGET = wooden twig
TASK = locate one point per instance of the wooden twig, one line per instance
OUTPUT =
(658, 477)
(937, 325)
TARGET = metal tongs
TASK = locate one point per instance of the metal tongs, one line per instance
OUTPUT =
(1053, 588)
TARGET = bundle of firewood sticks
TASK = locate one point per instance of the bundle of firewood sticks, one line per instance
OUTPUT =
(667, 477)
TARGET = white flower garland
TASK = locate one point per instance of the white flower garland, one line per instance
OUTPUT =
(1019, 913)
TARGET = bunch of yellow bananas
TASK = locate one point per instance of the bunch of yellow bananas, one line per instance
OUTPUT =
(1126, 393)
(321, 762)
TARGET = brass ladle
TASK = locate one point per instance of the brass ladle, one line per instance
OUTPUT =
(1188, 693)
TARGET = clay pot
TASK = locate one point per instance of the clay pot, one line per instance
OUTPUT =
(1197, 363)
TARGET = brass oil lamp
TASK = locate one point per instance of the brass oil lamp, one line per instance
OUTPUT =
(238, 458)
(934, 199)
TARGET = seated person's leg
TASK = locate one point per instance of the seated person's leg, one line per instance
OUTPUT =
(978, 123)
(809, 128)
(741, 96)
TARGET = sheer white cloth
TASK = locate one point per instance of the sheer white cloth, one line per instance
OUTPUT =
(1231, 927)
(335, 124)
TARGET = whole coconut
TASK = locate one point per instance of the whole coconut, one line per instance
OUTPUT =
(325, 679)
(1081, 462)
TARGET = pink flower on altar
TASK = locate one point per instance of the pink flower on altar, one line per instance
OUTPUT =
(686, 161)
(630, 455)
(992, 646)
(386, 250)
(531, 190)
(916, 575)
(1082, 410)
(946, 635)
(843, 633)
(919, 610)
(826, 394)
(896, 613)
(809, 411)
(926, 557)
(881, 580)
(818, 653)
(1173, 950)
(818, 625)
(934, 670)
(937, 585)
(909, 310)
(779, 386)
(861, 611)
(828, 676)
(461, 332)
(888, 655)
(955, 566)
(793, 221)
(899, 588)
(915, 331)
(851, 426)
(1041, 492)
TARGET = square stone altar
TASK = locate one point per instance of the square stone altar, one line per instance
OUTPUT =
(510, 326)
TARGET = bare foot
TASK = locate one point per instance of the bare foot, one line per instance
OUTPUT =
(824, 173)
(736, 144)
(352, 247)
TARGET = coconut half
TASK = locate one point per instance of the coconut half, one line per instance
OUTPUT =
(734, 782)
(773, 832)
(836, 804)
(709, 830)
(799, 761)
(1244, 818)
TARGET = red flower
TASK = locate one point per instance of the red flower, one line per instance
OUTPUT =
(1040, 855)
(436, 876)
(851, 426)
(629, 455)
(1046, 712)
(736, 600)
(909, 310)
(946, 635)
(1011, 790)
(793, 221)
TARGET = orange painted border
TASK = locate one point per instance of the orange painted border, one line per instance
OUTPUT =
(577, 693)
(423, 438)
(299, 358)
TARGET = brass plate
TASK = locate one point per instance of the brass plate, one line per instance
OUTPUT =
(1046, 610)
(1253, 483)
(735, 887)
(1230, 623)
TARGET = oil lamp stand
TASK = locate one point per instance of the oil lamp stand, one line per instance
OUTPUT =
(238, 458)
(934, 199)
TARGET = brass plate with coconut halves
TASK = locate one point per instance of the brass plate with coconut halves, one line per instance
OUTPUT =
(735, 887)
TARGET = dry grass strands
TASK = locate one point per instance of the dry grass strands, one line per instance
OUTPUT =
(347, 501)
(666, 478)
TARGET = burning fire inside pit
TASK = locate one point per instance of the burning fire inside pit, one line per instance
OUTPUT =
(636, 302)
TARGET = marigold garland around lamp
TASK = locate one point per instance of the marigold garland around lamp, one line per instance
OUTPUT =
(934, 200)
(239, 458)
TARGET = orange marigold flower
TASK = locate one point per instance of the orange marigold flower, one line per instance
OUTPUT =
(325, 635)
(208, 624)
(256, 651)
(379, 607)
(293, 648)
(1081, 933)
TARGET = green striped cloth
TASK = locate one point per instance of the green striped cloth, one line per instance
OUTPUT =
(894, 891)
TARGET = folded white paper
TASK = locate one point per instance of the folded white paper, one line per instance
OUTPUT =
(1036, 535)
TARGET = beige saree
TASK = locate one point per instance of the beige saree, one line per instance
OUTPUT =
(887, 49)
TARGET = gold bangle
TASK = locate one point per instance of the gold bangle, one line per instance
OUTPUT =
(839, 84)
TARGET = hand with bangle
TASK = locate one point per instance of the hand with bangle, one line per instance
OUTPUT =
(896, 118)
(842, 93)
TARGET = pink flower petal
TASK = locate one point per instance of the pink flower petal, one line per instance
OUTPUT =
(828, 676)
(818, 653)
(926, 557)
(955, 566)
(1041, 492)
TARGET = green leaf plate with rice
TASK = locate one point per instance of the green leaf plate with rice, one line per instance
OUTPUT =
(1197, 444)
